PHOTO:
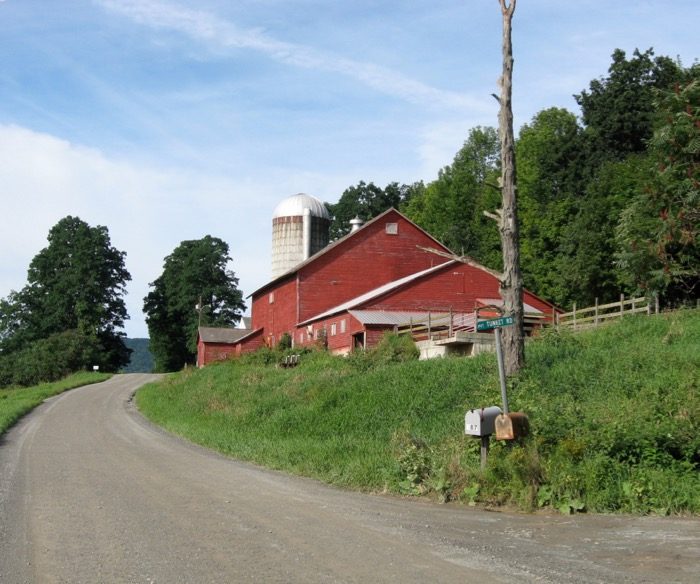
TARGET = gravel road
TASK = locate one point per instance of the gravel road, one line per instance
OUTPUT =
(90, 492)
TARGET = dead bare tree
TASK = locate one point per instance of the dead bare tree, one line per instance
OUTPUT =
(511, 280)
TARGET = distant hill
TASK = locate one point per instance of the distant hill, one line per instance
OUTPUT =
(141, 358)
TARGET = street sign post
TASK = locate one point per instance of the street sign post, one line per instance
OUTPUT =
(496, 324)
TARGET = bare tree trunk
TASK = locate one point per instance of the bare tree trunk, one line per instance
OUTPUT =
(512, 281)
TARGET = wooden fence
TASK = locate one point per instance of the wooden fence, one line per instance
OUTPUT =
(592, 316)
(443, 325)
(437, 325)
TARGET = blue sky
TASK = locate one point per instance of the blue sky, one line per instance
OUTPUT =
(168, 120)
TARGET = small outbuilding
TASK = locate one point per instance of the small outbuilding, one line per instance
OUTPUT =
(217, 344)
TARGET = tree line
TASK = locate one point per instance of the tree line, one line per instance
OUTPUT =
(609, 201)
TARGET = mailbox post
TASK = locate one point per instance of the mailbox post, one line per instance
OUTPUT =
(481, 423)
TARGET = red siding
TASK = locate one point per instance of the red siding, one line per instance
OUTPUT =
(276, 310)
(363, 262)
(211, 352)
(341, 341)
(374, 334)
(457, 287)
(251, 343)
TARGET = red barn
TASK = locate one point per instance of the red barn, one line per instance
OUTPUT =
(376, 278)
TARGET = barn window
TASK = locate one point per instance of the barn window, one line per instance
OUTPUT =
(392, 229)
(342, 326)
(271, 297)
(333, 331)
(301, 338)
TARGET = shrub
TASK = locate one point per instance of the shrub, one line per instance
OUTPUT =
(50, 359)
(285, 342)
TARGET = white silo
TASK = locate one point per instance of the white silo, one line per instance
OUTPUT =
(300, 225)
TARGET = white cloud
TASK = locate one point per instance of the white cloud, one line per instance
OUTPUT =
(218, 33)
(148, 211)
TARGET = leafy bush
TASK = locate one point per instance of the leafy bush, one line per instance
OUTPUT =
(285, 342)
(50, 359)
(395, 349)
(392, 348)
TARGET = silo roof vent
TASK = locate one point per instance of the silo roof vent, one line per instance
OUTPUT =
(355, 224)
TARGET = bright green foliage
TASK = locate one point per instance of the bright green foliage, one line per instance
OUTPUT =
(195, 272)
(366, 201)
(619, 427)
(614, 413)
(659, 234)
(451, 207)
(14, 403)
(574, 182)
(76, 283)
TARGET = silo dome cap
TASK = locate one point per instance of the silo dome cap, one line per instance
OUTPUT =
(294, 206)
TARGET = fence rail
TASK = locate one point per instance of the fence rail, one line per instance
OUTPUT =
(599, 313)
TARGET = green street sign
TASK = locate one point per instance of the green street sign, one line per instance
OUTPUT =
(487, 325)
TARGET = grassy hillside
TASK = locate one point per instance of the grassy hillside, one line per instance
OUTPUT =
(14, 403)
(615, 418)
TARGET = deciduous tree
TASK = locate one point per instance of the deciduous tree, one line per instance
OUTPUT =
(659, 233)
(548, 151)
(450, 208)
(196, 287)
(618, 110)
(366, 201)
(75, 283)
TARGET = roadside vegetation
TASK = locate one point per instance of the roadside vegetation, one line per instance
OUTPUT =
(17, 401)
(614, 412)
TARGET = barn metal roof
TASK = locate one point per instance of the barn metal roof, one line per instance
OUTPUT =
(396, 317)
(499, 302)
(221, 335)
(367, 296)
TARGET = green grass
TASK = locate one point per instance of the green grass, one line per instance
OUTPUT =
(14, 403)
(615, 420)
